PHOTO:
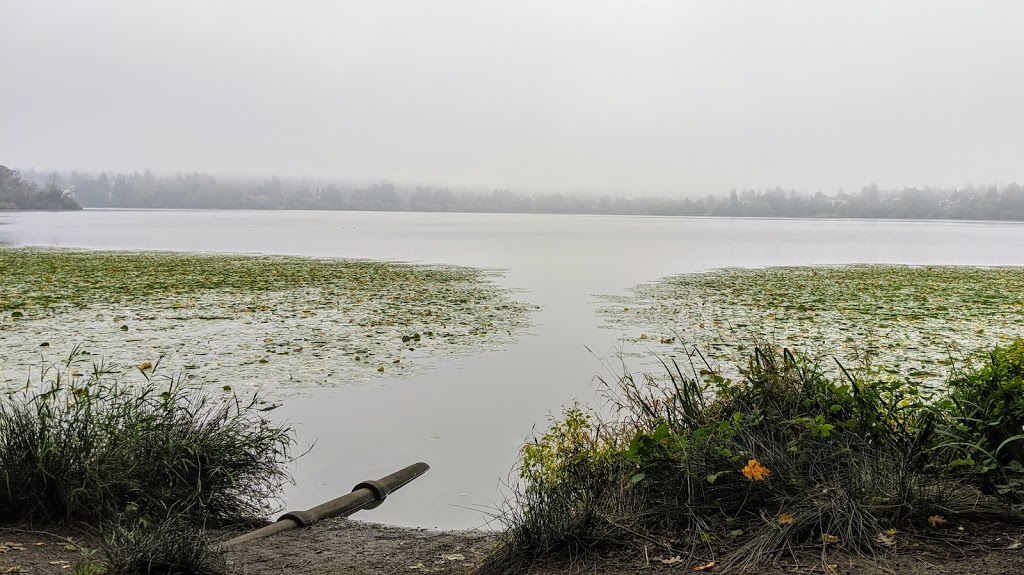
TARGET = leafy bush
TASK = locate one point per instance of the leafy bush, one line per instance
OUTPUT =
(572, 496)
(93, 447)
(982, 415)
(785, 456)
(571, 443)
(781, 457)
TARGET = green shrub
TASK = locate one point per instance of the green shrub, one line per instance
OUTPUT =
(572, 443)
(579, 513)
(786, 455)
(783, 457)
(982, 423)
(92, 447)
(571, 497)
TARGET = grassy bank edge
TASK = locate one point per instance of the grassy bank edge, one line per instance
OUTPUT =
(735, 472)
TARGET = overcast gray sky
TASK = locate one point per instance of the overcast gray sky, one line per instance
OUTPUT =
(632, 97)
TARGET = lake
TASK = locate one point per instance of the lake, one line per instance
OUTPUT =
(468, 417)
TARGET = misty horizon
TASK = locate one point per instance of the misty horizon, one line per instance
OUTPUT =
(41, 190)
(42, 174)
(659, 99)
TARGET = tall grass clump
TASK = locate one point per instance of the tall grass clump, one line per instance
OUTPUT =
(170, 547)
(167, 548)
(95, 448)
(785, 457)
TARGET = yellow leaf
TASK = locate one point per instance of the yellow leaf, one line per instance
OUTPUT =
(826, 538)
(146, 365)
(754, 471)
(785, 519)
(705, 566)
(671, 560)
(936, 520)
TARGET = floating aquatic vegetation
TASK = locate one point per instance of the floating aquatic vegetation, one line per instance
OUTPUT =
(241, 319)
(909, 320)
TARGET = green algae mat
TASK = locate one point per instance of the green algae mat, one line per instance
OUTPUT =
(911, 321)
(245, 320)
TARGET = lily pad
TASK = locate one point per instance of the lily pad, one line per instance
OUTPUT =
(223, 316)
(915, 321)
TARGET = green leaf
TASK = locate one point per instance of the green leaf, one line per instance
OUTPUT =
(637, 478)
(1009, 440)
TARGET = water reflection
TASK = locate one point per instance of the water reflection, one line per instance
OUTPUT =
(6, 238)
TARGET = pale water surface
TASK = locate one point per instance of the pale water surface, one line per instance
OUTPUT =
(468, 417)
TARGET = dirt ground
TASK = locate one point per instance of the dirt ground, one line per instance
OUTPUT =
(26, 551)
(345, 546)
(354, 547)
(342, 546)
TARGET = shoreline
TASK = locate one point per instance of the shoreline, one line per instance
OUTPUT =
(364, 548)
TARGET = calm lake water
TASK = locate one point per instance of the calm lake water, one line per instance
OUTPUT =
(468, 417)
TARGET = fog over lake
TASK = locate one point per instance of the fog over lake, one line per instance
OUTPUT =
(468, 416)
(660, 97)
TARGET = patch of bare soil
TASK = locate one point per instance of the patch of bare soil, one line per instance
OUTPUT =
(356, 548)
(28, 551)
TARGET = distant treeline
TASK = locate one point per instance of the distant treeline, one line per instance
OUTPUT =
(200, 190)
(17, 193)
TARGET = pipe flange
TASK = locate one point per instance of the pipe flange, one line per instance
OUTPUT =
(379, 490)
(301, 518)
